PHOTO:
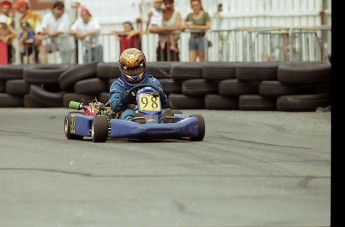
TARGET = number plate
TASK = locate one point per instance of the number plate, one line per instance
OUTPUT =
(148, 102)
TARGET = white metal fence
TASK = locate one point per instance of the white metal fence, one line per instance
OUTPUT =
(234, 45)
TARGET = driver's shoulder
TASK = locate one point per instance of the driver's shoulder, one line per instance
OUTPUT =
(150, 79)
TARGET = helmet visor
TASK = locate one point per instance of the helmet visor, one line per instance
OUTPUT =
(133, 71)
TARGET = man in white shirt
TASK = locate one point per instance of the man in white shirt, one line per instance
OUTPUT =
(87, 29)
(55, 26)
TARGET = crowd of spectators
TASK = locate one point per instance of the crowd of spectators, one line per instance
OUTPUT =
(56, 31)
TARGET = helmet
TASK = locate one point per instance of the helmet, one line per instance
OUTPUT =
(132, 63)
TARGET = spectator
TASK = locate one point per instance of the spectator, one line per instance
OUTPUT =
(34, 20)
(129, 38)
(155, 18)
(171, 22)
(5, 9)
(26, 41)
(198, 20)
(7, 33)
(87, 30)
(55, 26)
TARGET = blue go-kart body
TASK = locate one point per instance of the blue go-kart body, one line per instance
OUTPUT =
(101, 127)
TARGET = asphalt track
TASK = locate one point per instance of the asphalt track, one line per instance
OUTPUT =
(252, 169)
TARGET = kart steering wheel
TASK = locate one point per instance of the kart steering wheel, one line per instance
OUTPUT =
(129, 93)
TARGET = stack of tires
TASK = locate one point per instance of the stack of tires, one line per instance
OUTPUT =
(282, 86)
(260, 86)
(31, 85)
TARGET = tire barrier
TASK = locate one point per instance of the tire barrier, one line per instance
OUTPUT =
(256, 102)
(44, 74)
(29, 102)
(17, 87)
(84, 71)
(250, 86)
(218, 102)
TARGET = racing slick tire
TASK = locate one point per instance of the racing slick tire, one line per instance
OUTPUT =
(67, 127)
(177, 111)
(201, 128)
(17, 87)
(99, 129)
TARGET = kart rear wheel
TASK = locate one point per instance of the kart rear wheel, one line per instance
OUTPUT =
(67, 127)
(99, 129)
(201, 128)
(177, 111)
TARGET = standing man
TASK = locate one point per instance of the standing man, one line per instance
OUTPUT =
(34, 21)
(87, 30)
(55, 25)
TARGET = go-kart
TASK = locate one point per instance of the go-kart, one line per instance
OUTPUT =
(98, 121)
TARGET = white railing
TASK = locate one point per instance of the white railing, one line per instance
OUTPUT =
(232, 45)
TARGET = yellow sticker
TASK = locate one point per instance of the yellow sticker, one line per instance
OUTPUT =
(148, 102)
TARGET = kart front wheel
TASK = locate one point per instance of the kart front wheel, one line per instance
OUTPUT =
(201, 128)
(67, 127)
(99, 129)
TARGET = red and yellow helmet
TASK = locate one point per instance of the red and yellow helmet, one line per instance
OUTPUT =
(132, 63)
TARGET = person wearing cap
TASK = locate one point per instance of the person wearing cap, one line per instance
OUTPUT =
(6, 8)
(87, 29)
(55, 25)
(34, 21)
(7, 33)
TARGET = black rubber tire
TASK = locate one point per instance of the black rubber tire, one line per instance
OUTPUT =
(76, 97)
(93, 86)
(235, 87)
(29, 102)
(2, 86)
(257, 71)
(201, 128)
(300, 103)
(51, 87)
(180, 101)
(44, 74)
(11, 72)
(218, 102)
(67, 125)
(171, 86)
(198, 87)
(256, 102)
(46, 98)
(84, 71)
(177, 111)
(273, 89)
(7, 100)
(107, 71)
(309, 89)
(304, 73)
(160, 70)
(17, 87)
(104, 97)
(218, 71)
(100, 129)
(186, 70)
